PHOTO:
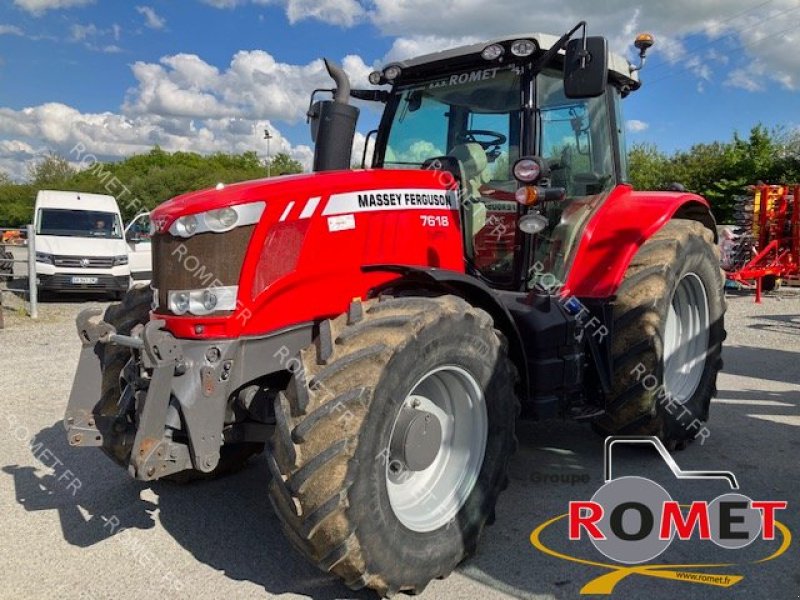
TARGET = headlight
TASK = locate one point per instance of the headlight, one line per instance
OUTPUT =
(203, 302)
(120, 260)
(185, 226)
(179, 302)
(221, 220)
(218, 220)
(43, 257)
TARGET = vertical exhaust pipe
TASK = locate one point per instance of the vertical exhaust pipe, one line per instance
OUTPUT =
(333, 124)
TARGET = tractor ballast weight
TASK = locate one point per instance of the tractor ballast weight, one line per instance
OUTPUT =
(381, 330)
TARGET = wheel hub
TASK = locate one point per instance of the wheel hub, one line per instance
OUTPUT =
(416, 440)
(436, 448)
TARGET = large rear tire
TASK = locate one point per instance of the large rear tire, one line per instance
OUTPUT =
(667, 337)
(347, 502)
(125, 316)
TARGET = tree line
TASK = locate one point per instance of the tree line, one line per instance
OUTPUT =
(719, 171)
(145, 180)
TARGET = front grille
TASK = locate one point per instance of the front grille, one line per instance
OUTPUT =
(201, 261)
(84, 262)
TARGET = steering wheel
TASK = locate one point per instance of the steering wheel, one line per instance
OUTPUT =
(470, 136)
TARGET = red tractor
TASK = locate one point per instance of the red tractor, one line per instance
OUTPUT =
(382, 330)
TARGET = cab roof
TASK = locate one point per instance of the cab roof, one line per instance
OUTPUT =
(620, 69)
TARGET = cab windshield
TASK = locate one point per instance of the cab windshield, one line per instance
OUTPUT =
(477, 117)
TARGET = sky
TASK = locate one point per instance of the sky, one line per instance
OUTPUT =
(209, 75)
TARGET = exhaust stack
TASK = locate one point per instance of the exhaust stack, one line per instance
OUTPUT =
(333, 124)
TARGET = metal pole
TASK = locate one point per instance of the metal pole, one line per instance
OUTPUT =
(268, 137)
(32, 273)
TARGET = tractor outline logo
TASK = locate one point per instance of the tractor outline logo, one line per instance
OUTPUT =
(632, 520)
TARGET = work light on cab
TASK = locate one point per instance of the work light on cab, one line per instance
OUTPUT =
(493, 52)
(527, 170)
(522, 48)
(391, 72)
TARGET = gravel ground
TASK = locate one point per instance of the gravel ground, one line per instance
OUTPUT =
(220, 539)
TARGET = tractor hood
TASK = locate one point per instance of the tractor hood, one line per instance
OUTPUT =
(279, 192)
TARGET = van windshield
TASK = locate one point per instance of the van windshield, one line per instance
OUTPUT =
(79, 223)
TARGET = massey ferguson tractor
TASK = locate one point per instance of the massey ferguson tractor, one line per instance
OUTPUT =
(380, 331)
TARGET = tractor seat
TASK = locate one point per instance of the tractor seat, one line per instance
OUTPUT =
(474, 163)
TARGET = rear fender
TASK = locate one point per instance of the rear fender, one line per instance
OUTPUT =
(617, 231)
(478, 294)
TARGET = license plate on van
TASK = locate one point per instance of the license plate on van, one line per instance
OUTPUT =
(84, 280)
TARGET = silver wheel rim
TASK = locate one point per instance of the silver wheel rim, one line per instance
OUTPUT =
(686, 339)
(427, 500)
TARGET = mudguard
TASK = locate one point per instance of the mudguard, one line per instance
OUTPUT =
(618, 229)
(472, 290)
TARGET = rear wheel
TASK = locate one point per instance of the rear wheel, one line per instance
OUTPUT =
(392, 441)
(668, 333)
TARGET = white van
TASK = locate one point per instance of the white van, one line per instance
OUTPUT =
(79, 243)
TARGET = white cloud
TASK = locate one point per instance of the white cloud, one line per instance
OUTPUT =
(337, 12)
(151, 18)
(731, 28)
(254, 86)
(39, 7)
(636, 126)
(11, 30)
(408, 47)
(180, 103)
(79, 32)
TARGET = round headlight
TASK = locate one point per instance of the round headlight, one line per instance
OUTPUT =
(209, 300)
(179, 302)
(222, 219)
(375, 78)
(523, 48)
(493, 52)
(186, 226)
(527, 170)
(392, 72)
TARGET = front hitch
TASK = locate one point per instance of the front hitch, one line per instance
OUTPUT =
(90, 423)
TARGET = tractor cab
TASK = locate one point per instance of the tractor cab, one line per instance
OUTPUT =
(520, 102)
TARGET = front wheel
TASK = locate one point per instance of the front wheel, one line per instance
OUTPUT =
(667, 337)
(392, 441)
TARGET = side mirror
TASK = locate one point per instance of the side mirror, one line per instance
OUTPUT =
(132, 237)
(586, 71)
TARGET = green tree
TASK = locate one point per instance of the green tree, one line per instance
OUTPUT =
(50, 170)
(283, 164)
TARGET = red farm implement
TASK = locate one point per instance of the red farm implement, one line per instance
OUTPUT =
(767, 248)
